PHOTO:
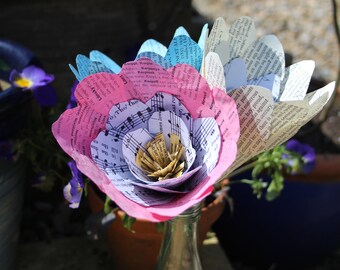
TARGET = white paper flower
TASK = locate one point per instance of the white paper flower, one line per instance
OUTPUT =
(271, 99)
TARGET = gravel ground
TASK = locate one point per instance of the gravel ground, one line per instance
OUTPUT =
(305, 28)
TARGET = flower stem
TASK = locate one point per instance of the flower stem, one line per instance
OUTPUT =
(242, 169)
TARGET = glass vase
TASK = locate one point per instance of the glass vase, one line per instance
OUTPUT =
(179, 245)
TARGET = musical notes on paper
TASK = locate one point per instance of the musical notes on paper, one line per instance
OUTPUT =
(131, 126)
(207, 142)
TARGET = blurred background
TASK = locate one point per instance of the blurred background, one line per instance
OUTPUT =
(52, 235)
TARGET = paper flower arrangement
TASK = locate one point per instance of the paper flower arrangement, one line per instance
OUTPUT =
(156, 135)
(154, 140)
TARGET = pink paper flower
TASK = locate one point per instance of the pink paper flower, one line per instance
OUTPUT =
(119, 115)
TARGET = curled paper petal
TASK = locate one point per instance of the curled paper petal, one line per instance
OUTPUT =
(97, 56)
(154, 46)
(271, 101)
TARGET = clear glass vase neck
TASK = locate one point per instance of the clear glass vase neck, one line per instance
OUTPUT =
(179, 246)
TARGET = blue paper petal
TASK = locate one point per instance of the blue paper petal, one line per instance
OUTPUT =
(180, 31)
(97, 56)
(158, 59)
(152, 45)
(87, 67)
(183, 50)
(203, 37)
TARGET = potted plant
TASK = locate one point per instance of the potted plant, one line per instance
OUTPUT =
(26, 99)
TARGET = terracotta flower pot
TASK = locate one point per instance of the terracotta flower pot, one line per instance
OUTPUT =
(138, 249)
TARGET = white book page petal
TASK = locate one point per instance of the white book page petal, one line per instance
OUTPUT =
(270, 81)
(289, 117)
(242, 34)
(261, 60)
(157, 188)
(167, 122)
(107, 153)
(296, 81)
(207, 142)
(255, 106)
(127, 116)
(170, 185)
(214, 72)
(146, 197)
(235, 73)
(285, 122)
(166, 102)
(274, 43)
(218, 34)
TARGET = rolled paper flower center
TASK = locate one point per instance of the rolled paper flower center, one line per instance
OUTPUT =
(159, 162)
(23, 82)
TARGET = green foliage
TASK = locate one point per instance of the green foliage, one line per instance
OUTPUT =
(128, 222)
(274, 163)
(107, 207)
(38, 146)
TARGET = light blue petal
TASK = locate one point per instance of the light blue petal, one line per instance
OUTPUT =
(152, 45)
(183, 50)
(180, 31)
(203, 37)
(83, 65)
(75, 72)
(97, 67)
(158, 59)
(105, 60)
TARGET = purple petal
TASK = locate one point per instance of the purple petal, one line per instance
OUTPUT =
(73, 101)
(33, 73)
(77, 175)
(14, 75)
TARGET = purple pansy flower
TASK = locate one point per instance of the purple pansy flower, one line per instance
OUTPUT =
(306, 151)
(73, 101)
(35, 79)
(74, 189)
(31, 77)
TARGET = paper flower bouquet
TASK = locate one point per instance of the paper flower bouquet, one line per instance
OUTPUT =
(158, 133)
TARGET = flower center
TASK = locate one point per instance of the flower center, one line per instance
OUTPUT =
(159, 162)
(23, 83)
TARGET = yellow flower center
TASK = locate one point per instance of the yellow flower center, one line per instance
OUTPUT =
(159, 162)
(23, 83)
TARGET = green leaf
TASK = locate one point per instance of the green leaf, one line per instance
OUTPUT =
(275, 187)
(258, 168)
(107, 207)
(128, 222)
